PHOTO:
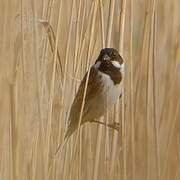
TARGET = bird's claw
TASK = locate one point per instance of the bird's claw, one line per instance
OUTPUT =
(115, 125)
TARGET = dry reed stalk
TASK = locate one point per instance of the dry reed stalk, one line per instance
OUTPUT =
(106, 117)
(66, 58)
(35, 156)
(115, 139)
(47, 14)
(172, 114)
(168, 108)
(121, 42)
(108, 42)
(141, 69)
(11, 159)
(79, 164)
(80, 155)
(80, 118)
(64, 169)
(149, 102)
(122, 21)
(114, 142)
(85, 38)
(145, 27)
(49, 10)
(13, 133)
(52, 93)
(132, 92)
(1, 166)
(99, 135)
(97, 155)
(48, 17)
(107, 147)
(40, 131)
(89, 151)
(52, 40)
(24, 78)
(154, 98)
(110, 22)
(14, 113)
(61, 146)
(148, 98)
(82, 27)
(77, 36)
(43, 8)
(92, 33)
(172, 129)
(102, 23)
(22, 40)
(87, 65)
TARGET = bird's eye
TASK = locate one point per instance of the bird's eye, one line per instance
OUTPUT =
(112, 54)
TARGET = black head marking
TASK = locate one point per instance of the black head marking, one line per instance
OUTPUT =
(105, 64)
(112, 53)
(114, 73)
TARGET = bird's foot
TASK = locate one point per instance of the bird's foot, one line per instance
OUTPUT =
(114, 125)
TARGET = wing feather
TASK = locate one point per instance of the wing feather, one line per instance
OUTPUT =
(93, 89)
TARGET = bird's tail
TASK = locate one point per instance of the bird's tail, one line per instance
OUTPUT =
(60, 147)
(70, 130)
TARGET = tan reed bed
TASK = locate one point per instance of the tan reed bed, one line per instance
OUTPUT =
(46, 48)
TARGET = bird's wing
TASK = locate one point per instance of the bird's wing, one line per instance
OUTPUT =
(93, 88)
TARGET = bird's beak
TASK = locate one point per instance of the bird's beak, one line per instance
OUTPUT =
(106, 57)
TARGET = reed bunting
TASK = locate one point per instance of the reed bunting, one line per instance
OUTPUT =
(103, 90)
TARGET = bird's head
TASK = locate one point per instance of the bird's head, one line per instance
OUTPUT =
(109, 60)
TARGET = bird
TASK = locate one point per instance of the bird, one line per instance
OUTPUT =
(103, 88)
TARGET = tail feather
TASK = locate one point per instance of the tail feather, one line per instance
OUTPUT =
(70, 130)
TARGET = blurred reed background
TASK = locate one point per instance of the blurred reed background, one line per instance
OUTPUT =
(35, 96)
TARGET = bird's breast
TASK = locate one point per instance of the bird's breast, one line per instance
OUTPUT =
(111, 91)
